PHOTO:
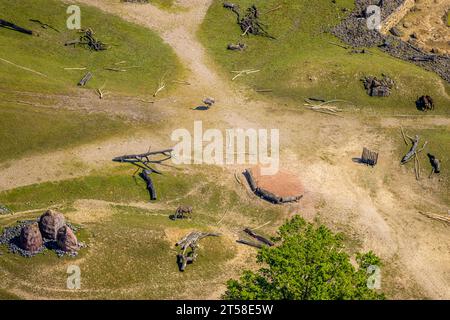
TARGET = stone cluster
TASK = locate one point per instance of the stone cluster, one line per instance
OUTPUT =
(50, 231)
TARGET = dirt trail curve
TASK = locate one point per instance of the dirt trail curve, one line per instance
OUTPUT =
(178, 29)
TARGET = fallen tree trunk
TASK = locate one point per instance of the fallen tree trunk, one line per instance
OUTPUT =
(85, 79)
(266, 195)
(412, 151)
(145, 175)
(251, 181)
(12, 26)
(250, 243)
(258, 237)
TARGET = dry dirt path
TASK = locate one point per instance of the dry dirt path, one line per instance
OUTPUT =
(416, 249)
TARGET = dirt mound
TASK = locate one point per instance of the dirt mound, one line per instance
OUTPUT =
(282, 184)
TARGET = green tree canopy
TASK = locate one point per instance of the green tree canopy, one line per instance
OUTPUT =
(307, 263)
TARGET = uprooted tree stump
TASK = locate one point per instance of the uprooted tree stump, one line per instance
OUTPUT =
(190, 241)
(88, 39)
(145, 175)
(249, 23)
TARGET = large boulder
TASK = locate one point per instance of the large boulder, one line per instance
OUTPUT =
(31, 238)
(50, 222)
(66, 239)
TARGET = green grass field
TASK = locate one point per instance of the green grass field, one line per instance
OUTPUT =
(118, 186)
(141, 49)
(26, 130)
(302, 62)
(131, 250)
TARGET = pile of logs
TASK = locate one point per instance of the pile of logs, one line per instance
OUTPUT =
(249, 23)
(378, 87)
(190, 241)
(143, 162)
(87, 39)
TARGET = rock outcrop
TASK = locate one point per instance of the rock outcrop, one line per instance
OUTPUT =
(66, 239)
(50, 222)
(31, 238)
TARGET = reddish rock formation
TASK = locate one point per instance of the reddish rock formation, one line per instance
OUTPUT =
(50, 222)
(31, 238)
(67, 241)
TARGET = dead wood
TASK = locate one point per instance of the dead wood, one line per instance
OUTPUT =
(243, 72)
(251, 181)
(161, 86)
(190, 241)
(144, 160)
(250, 22)
(23, 68)
(85, 79)
(145, 175)
(258, 237)
(436, 216)
(411, 153)
(250, 243)
(268, 196)
(44, 25)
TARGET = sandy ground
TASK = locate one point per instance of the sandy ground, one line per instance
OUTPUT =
(340, 193)
(428, 20)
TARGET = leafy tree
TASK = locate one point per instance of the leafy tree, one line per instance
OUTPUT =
(308, 263)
